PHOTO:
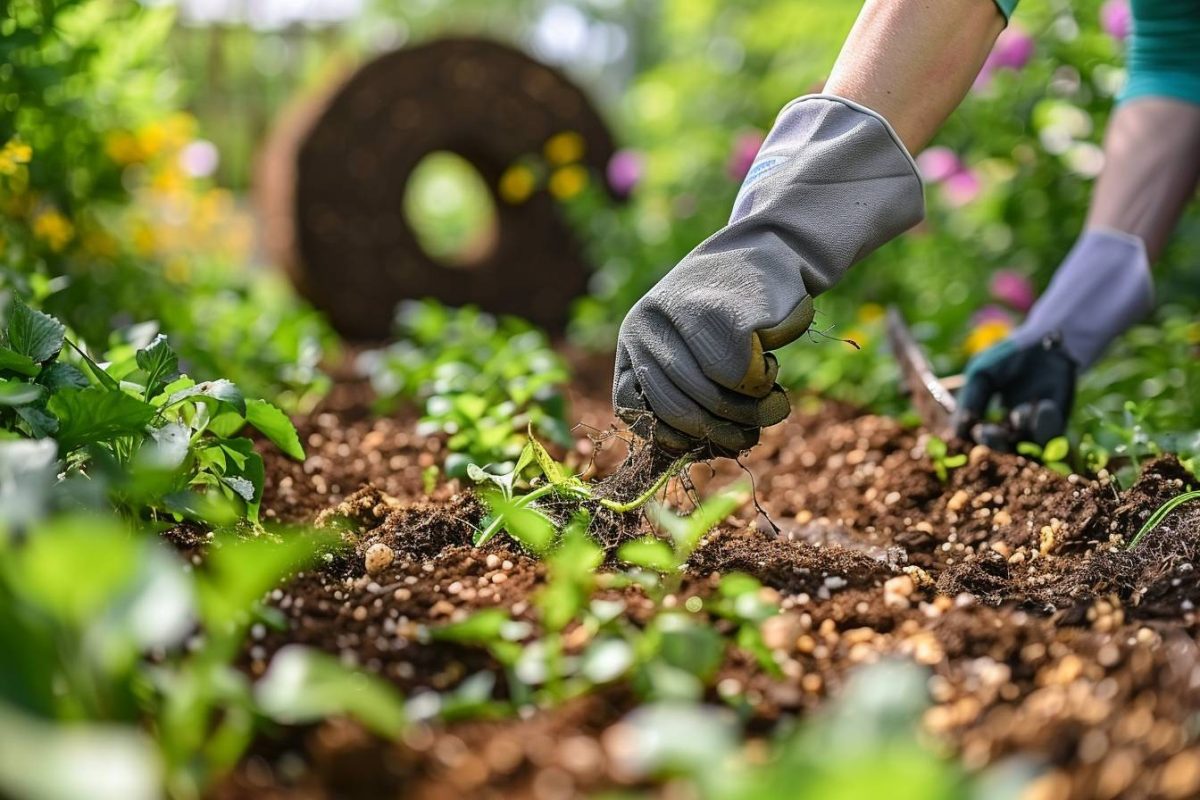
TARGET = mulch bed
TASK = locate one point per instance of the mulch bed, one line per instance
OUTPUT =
(1045, 638)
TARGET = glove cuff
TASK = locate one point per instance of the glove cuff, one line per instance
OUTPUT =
(834, 182)
(1101, 289)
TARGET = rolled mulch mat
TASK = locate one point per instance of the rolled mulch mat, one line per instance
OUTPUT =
(332, 180)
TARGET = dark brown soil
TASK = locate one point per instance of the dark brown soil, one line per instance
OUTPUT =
(1046, 638)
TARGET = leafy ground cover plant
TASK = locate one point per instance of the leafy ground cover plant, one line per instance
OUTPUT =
(483, 381)
(165, 442)
(1053, 455)
(105, 628)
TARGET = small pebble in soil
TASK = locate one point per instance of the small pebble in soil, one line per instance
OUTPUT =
(378, 558)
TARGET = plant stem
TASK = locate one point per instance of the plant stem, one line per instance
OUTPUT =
(642, 499)
(1158, 516)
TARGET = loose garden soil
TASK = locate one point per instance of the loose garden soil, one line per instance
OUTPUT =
(1046, 639)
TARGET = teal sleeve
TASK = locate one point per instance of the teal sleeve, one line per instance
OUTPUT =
(1007, 7)
(1162, 51)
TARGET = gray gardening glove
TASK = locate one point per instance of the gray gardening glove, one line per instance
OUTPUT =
(1101, 289)
(831, 183)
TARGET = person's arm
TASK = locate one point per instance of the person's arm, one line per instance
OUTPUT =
(912, 61)
(834, 180)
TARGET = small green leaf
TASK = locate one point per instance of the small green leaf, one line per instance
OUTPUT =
(303, 685)
(953, 462)
(530, 527)
(34, 334)
(18, 393)
(935, 447)
(13, 361)
(1056, 449)
(276, 426)
(1029, 449)
(244, 473)
(97, 415)
(221, 391)
(649, 553)
(160, 364)
(687, 531)
(550, 468)
(482, 627)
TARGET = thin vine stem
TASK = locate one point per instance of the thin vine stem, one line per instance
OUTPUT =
(642, 499)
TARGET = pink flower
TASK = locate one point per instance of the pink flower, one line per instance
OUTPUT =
(1013, 289)
(992, 314)
(1013, 50)
(745, 150)
(938, 163)
(962, 187)
(1116, 19)
(625, 170)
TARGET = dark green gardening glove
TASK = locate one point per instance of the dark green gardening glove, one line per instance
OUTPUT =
(1101, 289)
(1035, 385)
(693, 367)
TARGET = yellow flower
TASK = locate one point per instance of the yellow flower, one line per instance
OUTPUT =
(13, 155)
(985, 335)
(54, 229)
(145, 241)
(870, 312)
(123, 148)
(564, 148)
(566, 182)
(517, 184)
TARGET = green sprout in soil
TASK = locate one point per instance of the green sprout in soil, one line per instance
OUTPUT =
(1158, 516)
(943, 462)
(530, 524)
(1053, 455)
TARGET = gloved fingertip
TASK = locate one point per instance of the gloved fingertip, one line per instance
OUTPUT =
(1046, 422)
(730, 439)
(991, 435)
(669, 439)
(774, 408)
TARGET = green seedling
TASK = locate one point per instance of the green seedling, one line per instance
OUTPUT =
(667, 558)
(1053, 455)
(1159, 515)
(519, 513)
(943, 462)
(483, 381)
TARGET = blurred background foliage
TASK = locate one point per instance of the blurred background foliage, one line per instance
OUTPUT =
(130, 134)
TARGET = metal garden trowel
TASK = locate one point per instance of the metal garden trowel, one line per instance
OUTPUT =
(931, 396)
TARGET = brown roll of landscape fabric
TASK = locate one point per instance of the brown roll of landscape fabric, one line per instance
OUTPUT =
(332, 180)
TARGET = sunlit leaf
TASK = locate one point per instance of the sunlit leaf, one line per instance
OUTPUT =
(32, 333)
(97, 415)
(276, 426)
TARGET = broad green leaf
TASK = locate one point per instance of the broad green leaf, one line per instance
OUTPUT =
(40, 423)
(160, 364)
(482, 627)
(249, 469)
(93, 415)
(18, 362)
(1056, 449)
(649, 553)
(276, 426)
(687, 531)
(1029, 449)
(689, 645)
(59, 375)
(105, 380)
(530, 527)
(221, 391)
(304, 685)
(34, 334)
(481, 475)
(18, 393)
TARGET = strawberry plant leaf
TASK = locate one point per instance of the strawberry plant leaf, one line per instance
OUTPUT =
(249, 468)
(219, 391)
(41, 425)
(19, 363)
(58, 375)
(276, 426)
(160, 364)
(97, 415)
(18, 393)
(34, 334)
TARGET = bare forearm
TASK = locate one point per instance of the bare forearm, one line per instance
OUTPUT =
(913, 61)
(1151, 164)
